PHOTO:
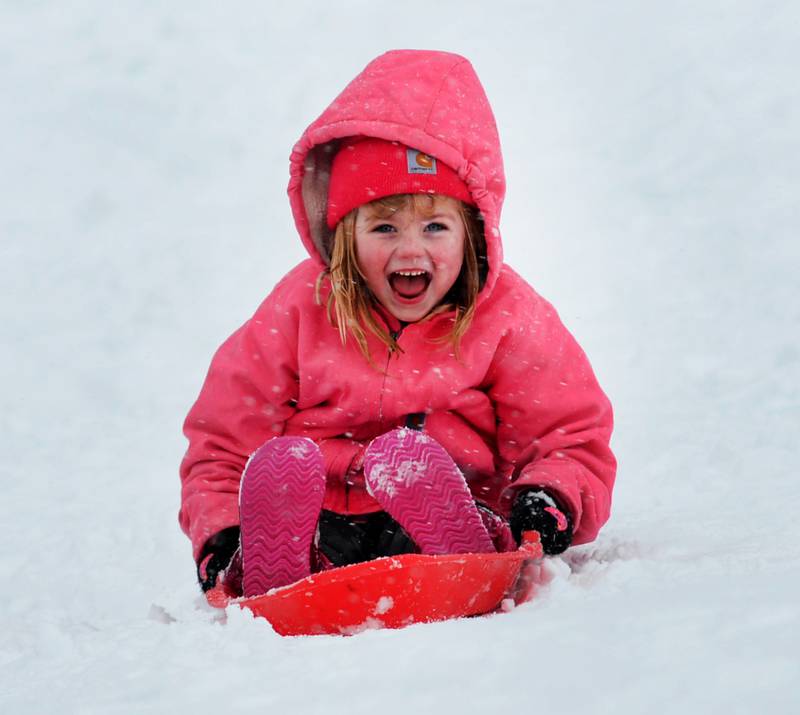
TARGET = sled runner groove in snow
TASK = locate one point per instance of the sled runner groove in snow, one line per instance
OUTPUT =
(396, 591)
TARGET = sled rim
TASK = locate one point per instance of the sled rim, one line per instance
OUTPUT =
(389, 592)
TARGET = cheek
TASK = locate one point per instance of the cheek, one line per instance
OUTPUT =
(450, 256)
(371, 259)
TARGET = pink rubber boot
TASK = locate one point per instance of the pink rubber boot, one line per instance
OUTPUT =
(280, 499)
(416, 481)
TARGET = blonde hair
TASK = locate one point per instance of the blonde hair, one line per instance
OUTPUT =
(352, 301)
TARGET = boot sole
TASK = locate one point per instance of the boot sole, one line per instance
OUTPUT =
(280, 499)
(417, 482)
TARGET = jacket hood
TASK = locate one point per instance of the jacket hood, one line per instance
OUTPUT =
(430, 101)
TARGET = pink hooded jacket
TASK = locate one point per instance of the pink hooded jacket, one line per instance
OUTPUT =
(520, 407)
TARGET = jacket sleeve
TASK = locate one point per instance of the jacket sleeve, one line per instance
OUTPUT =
(250, 391)
(554, 422)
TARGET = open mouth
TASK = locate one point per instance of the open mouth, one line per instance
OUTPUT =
(409, 284)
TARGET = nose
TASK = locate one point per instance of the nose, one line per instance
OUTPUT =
(410, 242)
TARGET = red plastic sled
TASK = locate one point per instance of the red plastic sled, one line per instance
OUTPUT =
(396, 591)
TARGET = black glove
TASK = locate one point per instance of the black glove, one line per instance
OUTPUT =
(215, 556)
(536, 509)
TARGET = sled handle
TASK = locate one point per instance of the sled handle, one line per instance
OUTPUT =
(532, 542)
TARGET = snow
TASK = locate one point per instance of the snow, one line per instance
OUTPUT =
(384, 605)
(651, 152)
(386, 477)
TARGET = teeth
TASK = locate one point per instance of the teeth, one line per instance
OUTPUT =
(411, 273)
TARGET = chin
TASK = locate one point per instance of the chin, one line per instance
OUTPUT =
(410, 316)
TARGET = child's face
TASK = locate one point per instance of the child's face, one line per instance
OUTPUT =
(410, 260)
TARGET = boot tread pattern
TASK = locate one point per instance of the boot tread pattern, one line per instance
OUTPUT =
(417, 482)
(281, 495)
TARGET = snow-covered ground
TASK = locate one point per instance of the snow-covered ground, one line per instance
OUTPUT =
(652, 156)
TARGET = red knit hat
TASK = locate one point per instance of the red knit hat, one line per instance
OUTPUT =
(366, 169)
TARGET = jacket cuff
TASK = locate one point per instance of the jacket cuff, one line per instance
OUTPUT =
(557, 480)
(203, 526)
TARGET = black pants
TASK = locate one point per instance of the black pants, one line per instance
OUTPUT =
(349, 539)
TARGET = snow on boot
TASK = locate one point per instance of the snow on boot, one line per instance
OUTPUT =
(280, 500)
(416, 481)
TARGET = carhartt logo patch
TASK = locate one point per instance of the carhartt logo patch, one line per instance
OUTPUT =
(419, 163)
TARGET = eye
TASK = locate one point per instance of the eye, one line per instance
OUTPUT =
(435, 227)
(383, 228)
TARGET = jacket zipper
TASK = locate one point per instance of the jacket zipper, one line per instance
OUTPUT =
(395, 336)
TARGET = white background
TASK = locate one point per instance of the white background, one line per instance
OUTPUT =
(651, 151)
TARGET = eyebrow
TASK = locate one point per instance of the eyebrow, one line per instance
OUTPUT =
(392, 217)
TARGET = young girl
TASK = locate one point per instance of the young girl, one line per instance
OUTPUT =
(402, 390)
